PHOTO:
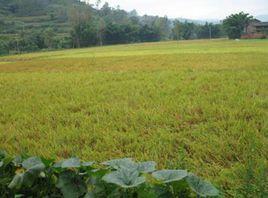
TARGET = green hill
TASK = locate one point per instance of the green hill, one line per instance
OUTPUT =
(32, 25)
(28, 15)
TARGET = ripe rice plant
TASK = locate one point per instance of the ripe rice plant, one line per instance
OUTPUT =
(199, 105)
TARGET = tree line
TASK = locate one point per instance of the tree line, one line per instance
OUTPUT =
(90, 25)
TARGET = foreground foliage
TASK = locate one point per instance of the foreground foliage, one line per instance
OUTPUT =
(24, 176)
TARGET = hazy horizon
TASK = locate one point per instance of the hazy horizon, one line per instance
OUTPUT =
(192, 9)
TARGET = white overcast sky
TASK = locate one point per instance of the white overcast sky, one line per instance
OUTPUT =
(192, 9)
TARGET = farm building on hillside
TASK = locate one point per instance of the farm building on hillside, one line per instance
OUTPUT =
(256, 29)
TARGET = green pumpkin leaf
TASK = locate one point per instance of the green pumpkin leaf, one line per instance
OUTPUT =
(36, 170)
(125, 178)
(87, 164)
(167, 176)
(142, 167)
(1, 164)
(31, 162)
(71, 185)
(32, 174)
(34, 166)
(146, 167)
(71, 163)
(201, 187)
(120, 163)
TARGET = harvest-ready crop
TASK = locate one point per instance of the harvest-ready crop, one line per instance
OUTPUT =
(24, 176)
(199, 105)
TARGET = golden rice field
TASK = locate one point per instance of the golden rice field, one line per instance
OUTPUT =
(199, 105)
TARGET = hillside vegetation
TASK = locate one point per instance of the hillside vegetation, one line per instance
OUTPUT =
(197, 105)
(32, 15)
(34, 25)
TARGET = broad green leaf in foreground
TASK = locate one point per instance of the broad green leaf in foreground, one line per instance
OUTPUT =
(201, 187)
(168, 176)
(32, 162)
(31, 175)
(71, 185)
(35, 170)
(120, 163)
(71, 163)
(125, 178)
(146, 167)
(27, 178)
(142, 167)
(34, 166)
(87, 164)
(68, 163)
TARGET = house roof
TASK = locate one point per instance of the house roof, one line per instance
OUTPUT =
(261, 24)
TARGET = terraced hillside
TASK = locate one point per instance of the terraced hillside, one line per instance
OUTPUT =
(35, 15)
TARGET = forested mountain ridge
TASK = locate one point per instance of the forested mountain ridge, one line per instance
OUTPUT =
(30, 25)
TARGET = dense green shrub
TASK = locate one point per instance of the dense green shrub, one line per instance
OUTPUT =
(25, 176)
